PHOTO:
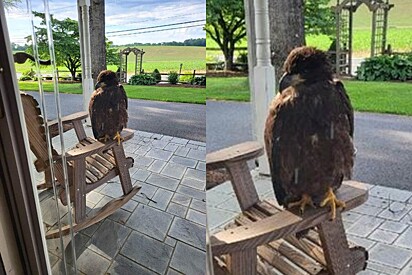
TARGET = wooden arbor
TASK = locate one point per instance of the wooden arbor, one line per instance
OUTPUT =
(263, 237)
(123, 62)
(344, 11)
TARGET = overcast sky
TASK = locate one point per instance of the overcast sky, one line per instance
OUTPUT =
(123, 15)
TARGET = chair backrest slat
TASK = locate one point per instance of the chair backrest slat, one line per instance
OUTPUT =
(37, 136)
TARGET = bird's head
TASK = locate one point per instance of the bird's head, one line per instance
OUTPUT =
(305, 64)
(107, 78)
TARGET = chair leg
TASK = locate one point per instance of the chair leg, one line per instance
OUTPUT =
(243, 262)
(124, 175)
(79, 179)
(242, 184)
(335, 246)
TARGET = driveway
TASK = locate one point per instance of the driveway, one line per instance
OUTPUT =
(173, 119)
(384, 142)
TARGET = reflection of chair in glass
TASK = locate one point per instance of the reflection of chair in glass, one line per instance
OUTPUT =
(263, 237)
(89, 165)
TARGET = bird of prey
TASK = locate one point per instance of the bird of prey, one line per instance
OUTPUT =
(308, 133)
(108, 108)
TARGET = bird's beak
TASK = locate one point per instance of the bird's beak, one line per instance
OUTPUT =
(285, 81)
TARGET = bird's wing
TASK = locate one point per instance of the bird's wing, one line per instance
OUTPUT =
(348, 109)
(273, 131)
(124, 95)
(123, 116)
(96, 101)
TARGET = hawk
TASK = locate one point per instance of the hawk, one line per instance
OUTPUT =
(108, 108)
(309, 133)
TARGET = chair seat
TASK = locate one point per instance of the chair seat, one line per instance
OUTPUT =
(290, 255)
(99, 165)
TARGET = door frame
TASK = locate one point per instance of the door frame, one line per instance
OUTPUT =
(14, 166)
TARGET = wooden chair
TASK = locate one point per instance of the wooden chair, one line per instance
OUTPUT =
(89, 165)
(263, 239)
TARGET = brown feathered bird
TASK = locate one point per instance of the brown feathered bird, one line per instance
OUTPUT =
(108, 108)
(308, 134)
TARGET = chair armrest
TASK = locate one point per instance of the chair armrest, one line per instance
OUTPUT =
(96, 147)
(67, 122)
(70, 118)
(240, 152)
(283, 223)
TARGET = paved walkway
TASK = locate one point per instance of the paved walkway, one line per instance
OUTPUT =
(384, 142)
(160, 231)
(182, 120)
(383, 225)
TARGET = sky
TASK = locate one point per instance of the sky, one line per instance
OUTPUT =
(123, 15)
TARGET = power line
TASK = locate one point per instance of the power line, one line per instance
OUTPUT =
(155, 19)
(168, 29)
(64, 8)
(153, 27)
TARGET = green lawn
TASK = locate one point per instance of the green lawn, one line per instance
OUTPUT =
(163, 58)
(228, 88)
(379, 97)
(169, 58)
(169, 94)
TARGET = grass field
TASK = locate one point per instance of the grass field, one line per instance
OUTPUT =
(169, 58)
(399, 31)
(168, 94)
(163, 58)
(228, 88)
(379, 97)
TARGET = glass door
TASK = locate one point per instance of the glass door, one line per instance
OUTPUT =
(31, 27)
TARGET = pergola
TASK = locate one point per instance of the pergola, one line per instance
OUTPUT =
(138, 62)
(344, 11)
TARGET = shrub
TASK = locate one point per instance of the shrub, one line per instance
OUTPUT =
(173, 77)
(385, 67)
(25, 78)
(28, 75)
(156, 74)
(186, 78)
(142, 79)
(200, 80)
(242, 58)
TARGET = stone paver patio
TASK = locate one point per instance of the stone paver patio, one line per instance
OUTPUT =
(160, 231)
(383, 225)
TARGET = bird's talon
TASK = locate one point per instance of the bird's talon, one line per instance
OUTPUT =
(330, 199)
(305, 200)
(118, 137)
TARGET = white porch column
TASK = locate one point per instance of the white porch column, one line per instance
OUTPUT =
(263, 77)
(87, 80)
(251, 52)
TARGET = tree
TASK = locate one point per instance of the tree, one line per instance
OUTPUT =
(97, 38)
(309, 17)
(225, 24)
(112, 54)
(66, 42)
(319, 17)
(9, 4)
(195, 42)
(286, 29)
